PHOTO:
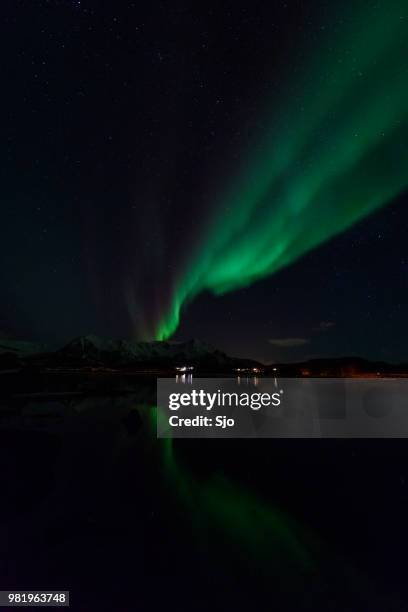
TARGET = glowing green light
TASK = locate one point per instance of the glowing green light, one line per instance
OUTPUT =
(262, 530)
(334, 152)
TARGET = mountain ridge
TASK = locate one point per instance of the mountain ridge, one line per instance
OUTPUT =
(96, 351)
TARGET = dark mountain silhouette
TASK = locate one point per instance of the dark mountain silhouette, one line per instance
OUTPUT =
(338, 366)
(90, 352)
(94, 351)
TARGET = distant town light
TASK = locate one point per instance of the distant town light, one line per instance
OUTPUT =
(249, 371)
(184, 368)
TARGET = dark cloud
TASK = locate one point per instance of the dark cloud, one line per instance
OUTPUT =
(324, 325)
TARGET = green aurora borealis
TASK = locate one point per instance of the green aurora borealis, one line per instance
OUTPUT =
(267, 534)
(335, 150)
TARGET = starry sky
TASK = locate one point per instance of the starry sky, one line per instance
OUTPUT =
(131, 133)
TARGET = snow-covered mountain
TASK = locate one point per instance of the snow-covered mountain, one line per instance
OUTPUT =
(93, 349)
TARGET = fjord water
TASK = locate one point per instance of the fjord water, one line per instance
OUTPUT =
(94, 503)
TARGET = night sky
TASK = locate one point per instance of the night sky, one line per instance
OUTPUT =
(243, 161)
